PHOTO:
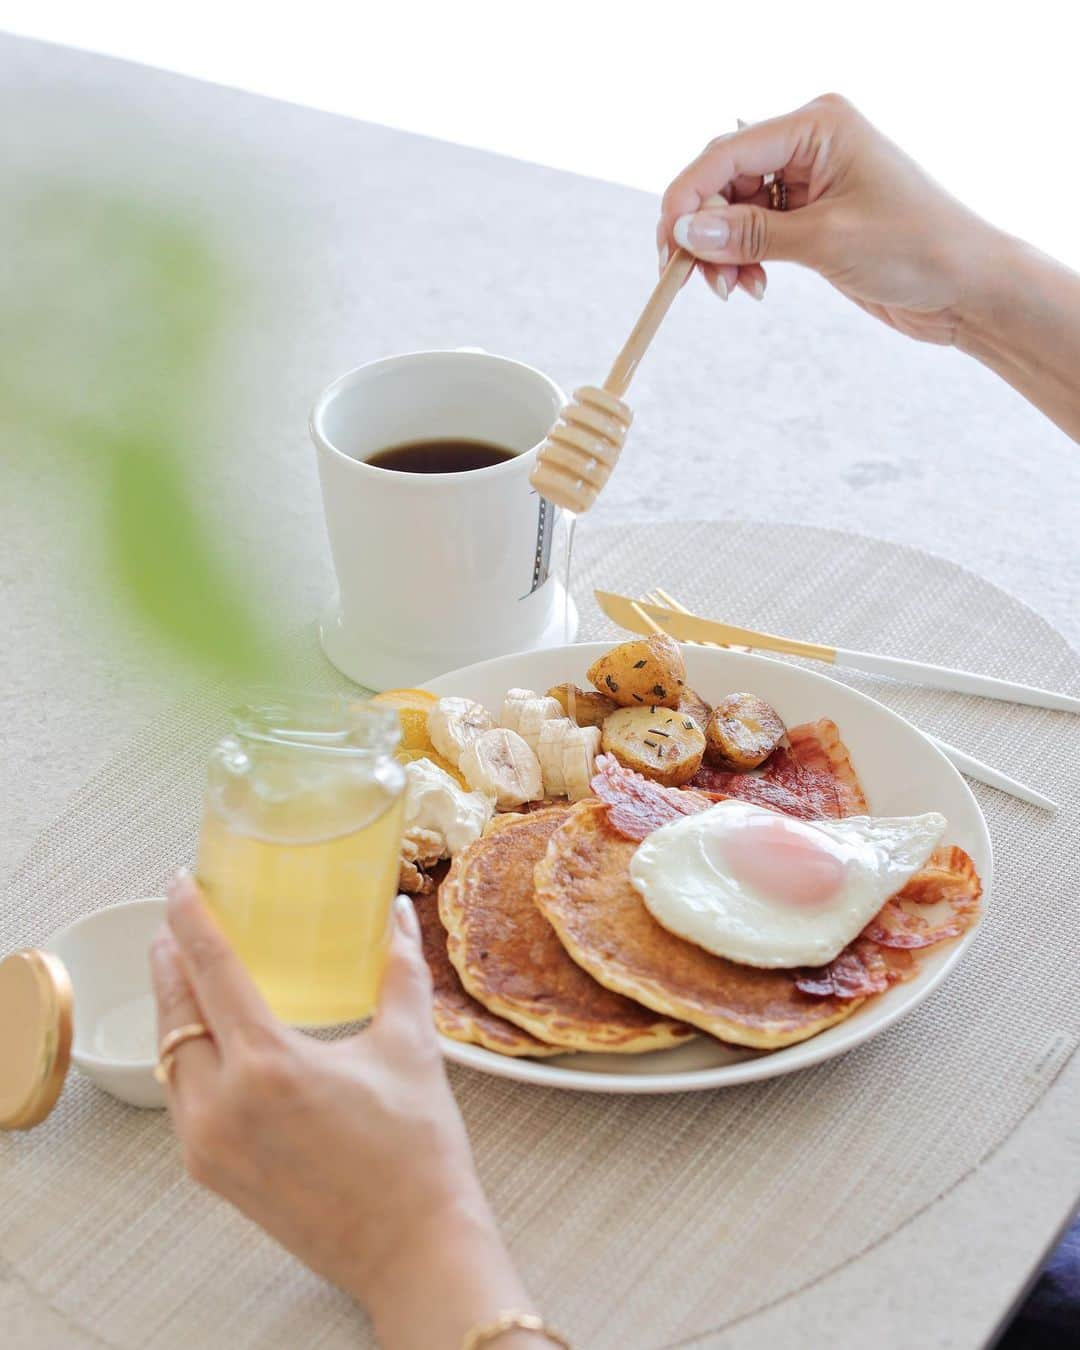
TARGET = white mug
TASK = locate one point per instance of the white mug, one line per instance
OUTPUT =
(437, 570)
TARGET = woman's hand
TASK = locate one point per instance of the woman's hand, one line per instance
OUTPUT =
(860, 212)
(352, 1154)
(871, 222)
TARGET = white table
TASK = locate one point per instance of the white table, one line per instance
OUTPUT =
(801, 409)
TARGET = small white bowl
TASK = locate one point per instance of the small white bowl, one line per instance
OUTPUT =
(107, 955)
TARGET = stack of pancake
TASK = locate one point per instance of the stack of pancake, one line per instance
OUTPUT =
(502, 977)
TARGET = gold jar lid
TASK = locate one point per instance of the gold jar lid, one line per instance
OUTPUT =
(36, 1022)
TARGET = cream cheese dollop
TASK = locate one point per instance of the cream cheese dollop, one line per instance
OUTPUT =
(438, 803)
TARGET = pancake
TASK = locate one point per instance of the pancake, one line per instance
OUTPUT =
(583, 888)
(457, 1014)
(510, 959)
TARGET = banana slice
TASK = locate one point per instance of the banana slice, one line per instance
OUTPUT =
(454, 723)
(535, 712)
(581, 745)
(512, 704)
(549, 751)
(526, 712)
(500, 764)
(567, 755)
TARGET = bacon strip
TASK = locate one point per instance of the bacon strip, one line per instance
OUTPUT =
(815, 787)
(636, 805)
(822, 756)
(759, 789)
(884, 947)
(859, 970)
(948, 877)
(811, 778)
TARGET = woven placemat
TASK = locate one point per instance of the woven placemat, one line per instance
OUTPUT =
(640, 1222)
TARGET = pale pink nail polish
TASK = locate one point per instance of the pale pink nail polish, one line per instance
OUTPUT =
(405, 914)
(705, 232)
(179, 879)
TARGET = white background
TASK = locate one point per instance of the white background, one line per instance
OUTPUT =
(985, 95)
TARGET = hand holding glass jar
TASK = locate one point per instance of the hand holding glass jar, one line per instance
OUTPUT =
(298, 858)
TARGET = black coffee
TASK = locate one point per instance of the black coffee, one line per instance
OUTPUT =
(440, 456)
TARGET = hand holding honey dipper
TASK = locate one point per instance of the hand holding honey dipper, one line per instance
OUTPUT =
(824, 188)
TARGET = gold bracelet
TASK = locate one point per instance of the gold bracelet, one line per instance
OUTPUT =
(512, 1321)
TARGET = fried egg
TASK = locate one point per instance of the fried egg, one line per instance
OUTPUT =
(767, 890)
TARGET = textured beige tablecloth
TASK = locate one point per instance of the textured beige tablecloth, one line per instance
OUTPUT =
(357, 241)
(640, 1222)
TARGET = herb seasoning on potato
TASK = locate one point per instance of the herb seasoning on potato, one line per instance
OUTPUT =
(661, 743)
(693, 705)
(646, 672)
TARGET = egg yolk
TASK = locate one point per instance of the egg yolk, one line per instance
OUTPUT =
(779, 862)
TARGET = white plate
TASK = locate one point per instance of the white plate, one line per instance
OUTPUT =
(901, 772)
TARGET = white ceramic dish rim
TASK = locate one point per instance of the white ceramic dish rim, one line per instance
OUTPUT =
(835, 1040)
(86, 1059)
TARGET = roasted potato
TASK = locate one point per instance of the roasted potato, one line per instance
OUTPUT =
(693, 705)
(661, 743)
(647, 671)
(742, 732)
(582, 705)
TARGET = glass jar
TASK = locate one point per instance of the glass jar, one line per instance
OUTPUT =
(298, 857)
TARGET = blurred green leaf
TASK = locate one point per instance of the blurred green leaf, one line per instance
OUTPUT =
(165, 562)
(112, 314)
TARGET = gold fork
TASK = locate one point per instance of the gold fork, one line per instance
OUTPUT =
(659, 597)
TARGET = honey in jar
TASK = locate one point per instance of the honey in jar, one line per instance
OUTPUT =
(298, 857)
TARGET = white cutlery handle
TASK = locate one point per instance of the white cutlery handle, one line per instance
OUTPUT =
(963, 681)
(975, 768)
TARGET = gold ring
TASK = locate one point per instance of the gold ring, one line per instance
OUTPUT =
(778, 195)
(191, 1031)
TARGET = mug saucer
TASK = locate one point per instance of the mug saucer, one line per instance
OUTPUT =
(363, 660)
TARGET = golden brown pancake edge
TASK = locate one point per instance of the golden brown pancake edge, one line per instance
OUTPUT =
(510, 959)
(457, 1014)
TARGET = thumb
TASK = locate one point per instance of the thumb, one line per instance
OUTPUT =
(748, 234)
(405, 994)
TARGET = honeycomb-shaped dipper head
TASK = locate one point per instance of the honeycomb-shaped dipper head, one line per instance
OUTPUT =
(582, 448)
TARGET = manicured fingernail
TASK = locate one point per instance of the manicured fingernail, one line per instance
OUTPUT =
(665, 254)
(178, 881)
(757, 289)
(719, 285)
(705, 232)
(405, 914)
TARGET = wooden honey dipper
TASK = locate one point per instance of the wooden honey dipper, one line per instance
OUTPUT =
(584, 445)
